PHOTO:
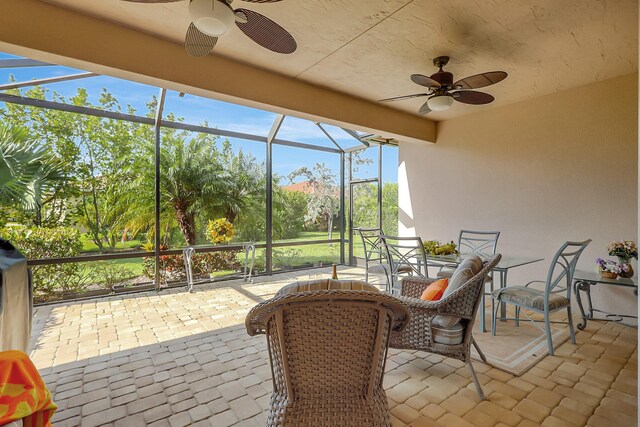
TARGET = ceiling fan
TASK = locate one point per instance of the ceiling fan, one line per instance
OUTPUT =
(443, 91)
(211, 19)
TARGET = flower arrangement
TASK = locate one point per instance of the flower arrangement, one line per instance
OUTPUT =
(220, 231)
(434, 247)
(609, 268)
(624, 249)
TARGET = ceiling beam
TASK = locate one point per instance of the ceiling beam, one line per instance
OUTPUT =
(52, 34)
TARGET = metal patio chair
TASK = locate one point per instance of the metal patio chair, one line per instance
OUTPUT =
(484, 244)
(375, 256)
(469, 241)
(406, 257)
(555, 296)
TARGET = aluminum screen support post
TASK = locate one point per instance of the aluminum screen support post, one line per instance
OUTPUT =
(156, 130)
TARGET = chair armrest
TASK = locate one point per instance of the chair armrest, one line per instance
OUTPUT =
(414, 286)
(534, 281)
(424, 308)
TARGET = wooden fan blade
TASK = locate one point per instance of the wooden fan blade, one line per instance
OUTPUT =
(423, 80)
(473, 97)
(198, 43)
(481, 80)
(424, 109)
(398, 98)
(261, 1)
(266, 33)
(152, 1)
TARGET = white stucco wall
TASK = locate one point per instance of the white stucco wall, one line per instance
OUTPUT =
(555, 168)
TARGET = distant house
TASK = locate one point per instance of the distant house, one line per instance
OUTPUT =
(304, 187)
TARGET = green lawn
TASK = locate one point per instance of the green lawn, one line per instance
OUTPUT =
(89, 245)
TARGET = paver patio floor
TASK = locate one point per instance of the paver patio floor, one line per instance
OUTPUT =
(175, 358)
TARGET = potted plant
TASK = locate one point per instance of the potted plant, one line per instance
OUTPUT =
(624, 250)
(610, 269)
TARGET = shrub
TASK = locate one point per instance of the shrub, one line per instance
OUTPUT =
(172, 266)
(219, 231)
(108, 275)
(59, 242)
(287, 257)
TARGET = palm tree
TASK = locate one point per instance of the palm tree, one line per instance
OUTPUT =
(244, 178)
(28, 171)
(191, 183)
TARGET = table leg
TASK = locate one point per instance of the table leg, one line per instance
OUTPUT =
(482, 309)
(582, 285)
(503, 306)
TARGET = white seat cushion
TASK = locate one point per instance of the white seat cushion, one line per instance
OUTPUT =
(468, 268)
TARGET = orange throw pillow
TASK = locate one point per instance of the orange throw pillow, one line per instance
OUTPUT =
(435, 290)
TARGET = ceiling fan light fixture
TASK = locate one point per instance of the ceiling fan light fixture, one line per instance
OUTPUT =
(212, 17)
(440, 102)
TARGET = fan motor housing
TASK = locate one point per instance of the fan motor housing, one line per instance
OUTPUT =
(445, 78)
(212, 17)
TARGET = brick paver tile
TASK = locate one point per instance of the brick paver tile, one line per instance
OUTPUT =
(547, 398)
(405, 413)
(157, 413)
(104, 417)
(224, 419)
(199, 412)
(245, 407)
(532, 410)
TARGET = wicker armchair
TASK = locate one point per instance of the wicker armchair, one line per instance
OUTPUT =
(462, 303)
(328, 350)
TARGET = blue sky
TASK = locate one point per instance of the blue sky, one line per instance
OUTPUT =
(223, 115)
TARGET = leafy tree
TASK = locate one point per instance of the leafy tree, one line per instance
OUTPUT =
(107, 151)
(289, 211)
(324, 198)
(390, 208)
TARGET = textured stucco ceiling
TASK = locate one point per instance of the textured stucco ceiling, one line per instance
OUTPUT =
(369, 48)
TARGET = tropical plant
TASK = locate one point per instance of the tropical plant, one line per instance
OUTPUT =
(20, 160)
(191, 181)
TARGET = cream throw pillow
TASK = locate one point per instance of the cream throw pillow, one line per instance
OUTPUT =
(468, 268)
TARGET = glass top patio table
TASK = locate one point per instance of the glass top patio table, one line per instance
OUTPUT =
(506, 262)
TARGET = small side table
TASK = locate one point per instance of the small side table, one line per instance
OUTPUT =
(583, 281)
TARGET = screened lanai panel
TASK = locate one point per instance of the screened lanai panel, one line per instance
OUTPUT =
(218, 114)
(390, 190)
(212, 195)
(306, 203)
(304, 131)
(88, 202)
(343, 139)
(102, 92)
(364, 163)
(306, 256)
